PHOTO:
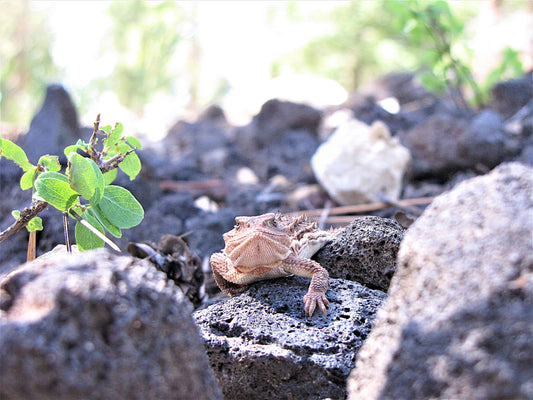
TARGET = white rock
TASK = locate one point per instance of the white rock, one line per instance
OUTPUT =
(246, 176)
(359, 163)
(206, 204)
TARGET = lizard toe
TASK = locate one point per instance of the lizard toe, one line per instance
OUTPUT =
(314, 299)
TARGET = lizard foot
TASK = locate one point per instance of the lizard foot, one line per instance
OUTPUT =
(312, 299)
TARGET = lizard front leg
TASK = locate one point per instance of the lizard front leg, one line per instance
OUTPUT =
(316, 295)
(224, 276)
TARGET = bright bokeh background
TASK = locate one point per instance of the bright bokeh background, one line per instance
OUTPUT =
(149, 63)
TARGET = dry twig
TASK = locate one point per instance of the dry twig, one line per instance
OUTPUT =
(342, 215)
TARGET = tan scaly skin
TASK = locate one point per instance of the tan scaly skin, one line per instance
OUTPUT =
(270, 246)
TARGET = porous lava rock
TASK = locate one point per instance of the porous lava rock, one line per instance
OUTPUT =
(365, 251)
(262, 346)
(95, 325)
(458, 323)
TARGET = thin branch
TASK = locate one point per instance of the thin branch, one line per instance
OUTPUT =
(114, 161)
(189, 186)
(26, 216)
(93, 153)
(94, 230)
(65, 231)
(365, 208)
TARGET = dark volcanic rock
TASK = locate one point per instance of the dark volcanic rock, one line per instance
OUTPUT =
(400, 85)
(206, 231)
(288, 155)
(262, 346)
(458, 323)
(98, 326)
(196, 150)
(509, 96)
(485, 141)
(445, 143)
(521, 123)
(365, 251)
(278, 116)
(434, 145)
(369, 112)
(54, 127)
(280, 140)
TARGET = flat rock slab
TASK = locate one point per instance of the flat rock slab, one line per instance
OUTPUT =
(98, 326)
(262, 346)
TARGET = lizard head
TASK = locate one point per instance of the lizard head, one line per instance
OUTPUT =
(258, 241)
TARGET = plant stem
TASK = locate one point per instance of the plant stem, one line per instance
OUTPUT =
(32, 244)
(65, 231)
(94, 230)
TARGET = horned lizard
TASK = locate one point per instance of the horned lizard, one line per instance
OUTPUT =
(271, 246)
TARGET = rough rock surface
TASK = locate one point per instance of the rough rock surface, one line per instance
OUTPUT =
(359, 163)
(54, 127)
(458, 323)
(262, 346)
(98, 326)
(365, 251)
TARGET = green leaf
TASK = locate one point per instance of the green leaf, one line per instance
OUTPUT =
(106, 129)
(54, 188)
(131, 165)
(11, 151)
(51, 163)
(100, 184)
(26, 181)
(80, 145)
(15, 214)
(35, 224)
(112, 229)
(85, 239)
(110, 176)
(72, 149)
(120, 207)
(134, 142)
(114, 136)
(81, 176)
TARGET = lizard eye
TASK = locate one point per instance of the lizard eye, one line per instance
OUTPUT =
(274, 224)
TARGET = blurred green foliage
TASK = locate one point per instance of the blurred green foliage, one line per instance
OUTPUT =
(371, 38)
(358, 45)
(510, 66)
(26, 63)
(143, 38)
(153, 45)
(435, 35)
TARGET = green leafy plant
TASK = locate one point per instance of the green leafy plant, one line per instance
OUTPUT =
(432, 30)
(436, 35)
(368, 38)
(84, 191)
